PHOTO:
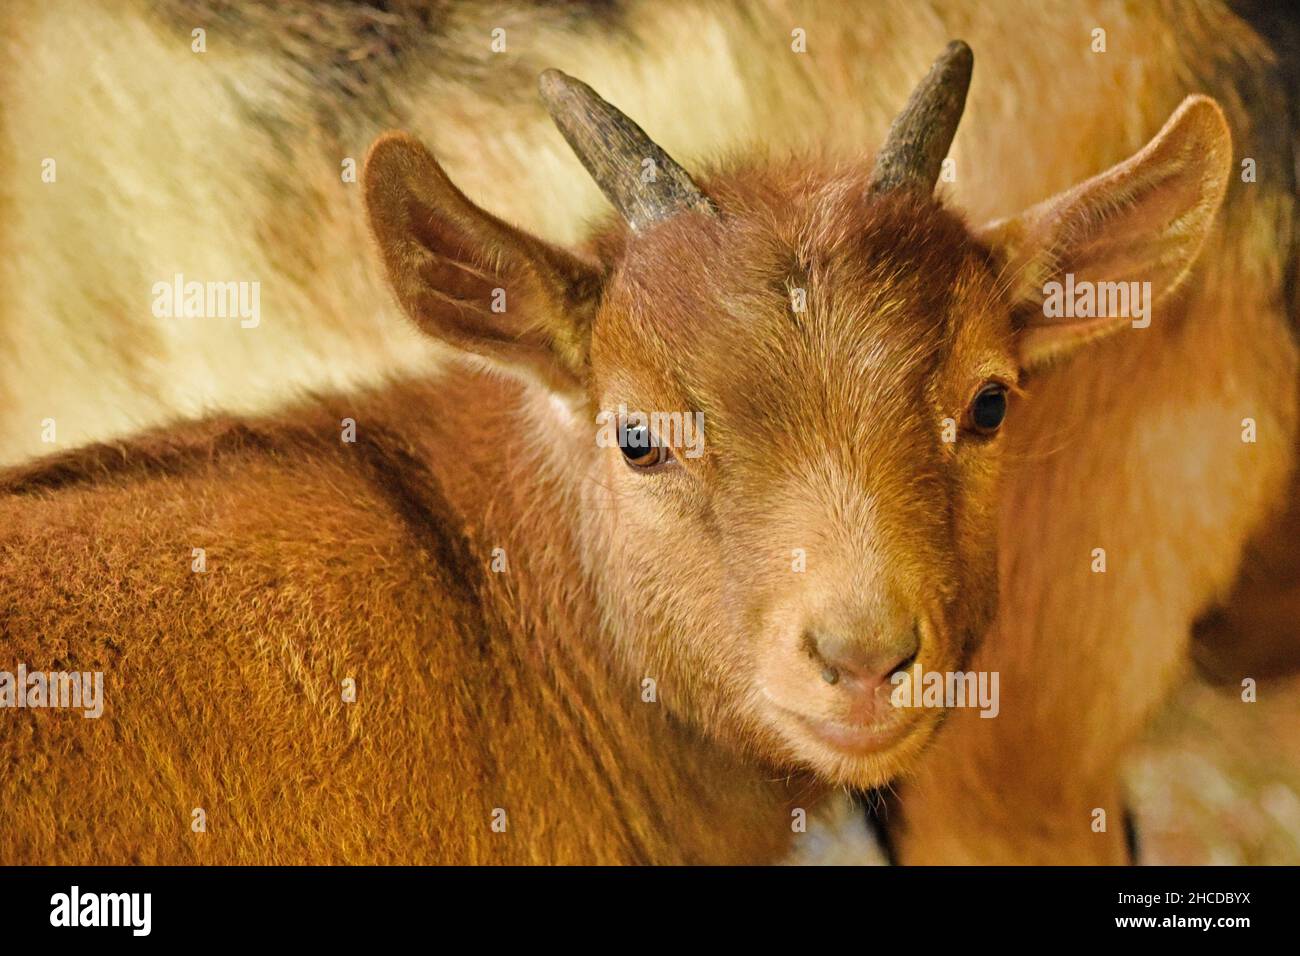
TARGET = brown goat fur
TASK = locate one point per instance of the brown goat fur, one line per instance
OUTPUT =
(326, 561)
(518, 688)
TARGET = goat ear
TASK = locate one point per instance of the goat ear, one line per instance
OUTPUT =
(1142, 221)
(473, 281)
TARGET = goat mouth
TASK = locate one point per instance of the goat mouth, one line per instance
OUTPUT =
(860, 740)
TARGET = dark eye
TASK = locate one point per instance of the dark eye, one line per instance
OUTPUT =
(988, 408)
(642, 449)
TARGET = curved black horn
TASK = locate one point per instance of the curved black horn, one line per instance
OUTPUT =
(614, 150)
(920, 135)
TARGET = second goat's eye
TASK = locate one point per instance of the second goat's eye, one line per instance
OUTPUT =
(988, 408)
(642, 449)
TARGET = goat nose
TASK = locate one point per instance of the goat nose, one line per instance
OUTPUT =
(863, 661)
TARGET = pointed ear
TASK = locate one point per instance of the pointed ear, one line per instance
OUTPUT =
(470, 279)
(1143, 221)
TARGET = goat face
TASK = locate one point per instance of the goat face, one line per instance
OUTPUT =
(831, 374)
(804, 372)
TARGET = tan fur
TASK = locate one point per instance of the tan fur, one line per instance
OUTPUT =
(516, 690)
(1133, 423)
(693, 564)
(327, 561)
(823, 438)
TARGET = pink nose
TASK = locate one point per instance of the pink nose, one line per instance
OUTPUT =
(860, 666)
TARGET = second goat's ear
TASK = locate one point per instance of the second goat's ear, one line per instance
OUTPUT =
(473, 281)
(1143, 221)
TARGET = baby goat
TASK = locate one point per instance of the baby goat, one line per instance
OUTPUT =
(478, 628)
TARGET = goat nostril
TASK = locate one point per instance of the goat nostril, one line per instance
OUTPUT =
(840, 657)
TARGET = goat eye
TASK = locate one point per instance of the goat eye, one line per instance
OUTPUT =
(988, 408)
(642, 450)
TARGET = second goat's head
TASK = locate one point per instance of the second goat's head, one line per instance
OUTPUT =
(808, 372)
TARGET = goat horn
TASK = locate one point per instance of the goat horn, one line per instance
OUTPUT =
(920, 135)
(614, 150)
